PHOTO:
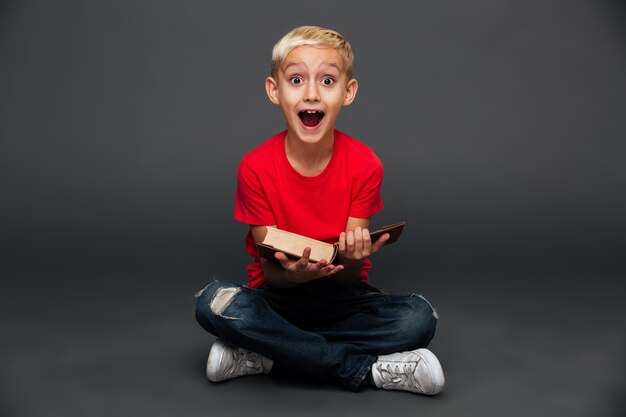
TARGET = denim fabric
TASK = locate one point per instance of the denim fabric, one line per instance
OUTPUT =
(326, 330)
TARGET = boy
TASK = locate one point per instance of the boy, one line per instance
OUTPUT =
(318, 318)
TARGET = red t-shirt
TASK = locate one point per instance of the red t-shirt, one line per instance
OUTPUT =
(270, 191)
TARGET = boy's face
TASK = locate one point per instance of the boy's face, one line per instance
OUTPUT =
(310, 87)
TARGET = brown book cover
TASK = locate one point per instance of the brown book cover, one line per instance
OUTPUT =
(292, 244)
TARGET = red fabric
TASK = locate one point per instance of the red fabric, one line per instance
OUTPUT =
(270, 191)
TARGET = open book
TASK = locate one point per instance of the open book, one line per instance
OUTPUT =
(292, 244)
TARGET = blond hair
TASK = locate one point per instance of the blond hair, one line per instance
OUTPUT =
(311, 36)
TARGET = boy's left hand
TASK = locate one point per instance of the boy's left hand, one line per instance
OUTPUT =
(356, 245)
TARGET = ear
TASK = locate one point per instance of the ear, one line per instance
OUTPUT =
(351, 89)
(271, 88)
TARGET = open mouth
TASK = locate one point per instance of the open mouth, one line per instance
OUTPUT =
(311, 118)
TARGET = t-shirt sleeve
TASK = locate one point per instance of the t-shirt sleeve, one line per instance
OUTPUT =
(368, 201)
(251, 204)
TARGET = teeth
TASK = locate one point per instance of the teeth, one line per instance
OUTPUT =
(311, 117)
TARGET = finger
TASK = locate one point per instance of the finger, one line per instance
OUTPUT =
(328, 272)
(321, 265)
(327, 269)
(336, 269)
(367, 240)
(304, 261)
(350, 241)
(282, 258)
(380, 242)
(342, 242)
(358, 239)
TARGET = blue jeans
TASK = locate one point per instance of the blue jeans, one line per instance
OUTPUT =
(328, 331)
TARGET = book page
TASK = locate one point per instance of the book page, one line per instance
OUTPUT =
(294, 244)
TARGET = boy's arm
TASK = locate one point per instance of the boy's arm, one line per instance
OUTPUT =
(355, 245)
(292, 272)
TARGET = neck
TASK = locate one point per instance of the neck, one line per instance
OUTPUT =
(309, 159)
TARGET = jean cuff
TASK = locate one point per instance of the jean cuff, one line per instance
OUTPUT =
(358, 379)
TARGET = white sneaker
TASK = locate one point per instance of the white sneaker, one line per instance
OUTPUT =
(228, 361)
(416, 371)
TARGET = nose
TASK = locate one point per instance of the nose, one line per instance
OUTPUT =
(311, 93)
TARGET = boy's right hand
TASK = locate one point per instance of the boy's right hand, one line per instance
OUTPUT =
(301, 270)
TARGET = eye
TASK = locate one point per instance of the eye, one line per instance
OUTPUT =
(296, 80)
(328, 81)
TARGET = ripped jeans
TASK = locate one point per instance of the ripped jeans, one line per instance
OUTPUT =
(320, 328)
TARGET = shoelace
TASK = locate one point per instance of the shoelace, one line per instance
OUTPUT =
(245, 359)
(398, 374)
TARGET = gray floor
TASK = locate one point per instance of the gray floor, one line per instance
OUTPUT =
(121, 126)
(128, 345)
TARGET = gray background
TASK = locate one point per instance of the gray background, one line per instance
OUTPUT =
(501, 127)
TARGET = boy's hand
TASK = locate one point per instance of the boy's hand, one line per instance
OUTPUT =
(356, 245)
(301, 270)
